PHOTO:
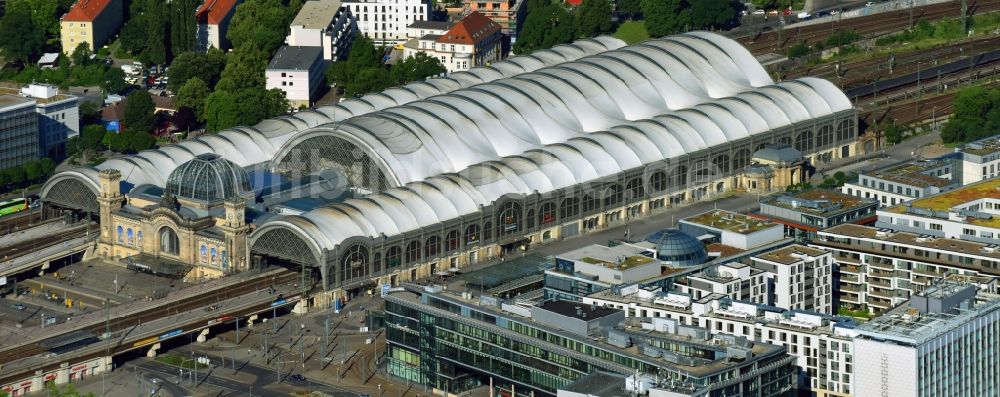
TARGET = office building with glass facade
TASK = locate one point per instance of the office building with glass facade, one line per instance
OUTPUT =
(456, 342)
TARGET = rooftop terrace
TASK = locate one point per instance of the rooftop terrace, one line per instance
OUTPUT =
(905, 324)
(729, 221)
(982, 147)
(790, 254)
(943, 244)
(988, 189)
(913, 174)
(821, 202)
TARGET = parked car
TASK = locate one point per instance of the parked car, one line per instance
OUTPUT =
(298, 378)
(18, 306)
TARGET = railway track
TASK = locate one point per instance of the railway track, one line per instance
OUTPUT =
(26, 247)
(197, 301)
(867, 26)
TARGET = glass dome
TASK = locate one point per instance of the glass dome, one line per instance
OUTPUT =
(208, 178)
(678, 248)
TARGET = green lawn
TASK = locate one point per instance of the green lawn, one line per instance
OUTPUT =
(632, 32)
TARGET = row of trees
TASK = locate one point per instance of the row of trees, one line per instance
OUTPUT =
(363, 71)
(81, 71)
(27, 174)
(976, 115)
(550, 23)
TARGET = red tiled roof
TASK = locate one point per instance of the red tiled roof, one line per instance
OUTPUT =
(86, 10)
(214, 11)
(471, 29)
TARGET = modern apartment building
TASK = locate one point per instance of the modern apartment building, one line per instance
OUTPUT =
(385, 21)
(738, 281)
(58, 118)
(799, 277)
(805, 212)
(879, 269)
(820, 343)
(455, 342)
(731, 229)
(593, 268)
(18, 131)
(298, 71)
(213, 18)
(980, 160)
(904, 182)
(472, 41)
(90, 21)
(324, 23)
(942, 342)
(970, 213)
(509, 14)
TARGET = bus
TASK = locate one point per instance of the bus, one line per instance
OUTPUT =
(11, 206)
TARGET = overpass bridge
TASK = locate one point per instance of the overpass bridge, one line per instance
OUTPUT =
(40, 252)
(90, 346)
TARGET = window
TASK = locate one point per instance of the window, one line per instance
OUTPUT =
(432, 246)
(969, 232)
(547, 214)
(471, 234)
(412, 252)
(392, 257)
(658, 181)
(121, 234)
(935, 226)
(451, 241)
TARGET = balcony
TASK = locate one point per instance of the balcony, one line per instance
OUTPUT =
(927, 273)
(851, 288)
(880, 293)
(855, 269)
(881, 264)
(880, 273)
(879, 283)
(850, 278)
(878, 302)
(848, 297)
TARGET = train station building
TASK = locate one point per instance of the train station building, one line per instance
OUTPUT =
(439, 174)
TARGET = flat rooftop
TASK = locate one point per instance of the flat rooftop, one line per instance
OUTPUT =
(10, 101)
(821, 202)
(904, 323)
(17, 92)
(598, 384)
(569, 309)
(789, 254)
(618, 257)
(295, 58)
(913, 174)
(729, 221)
(317, 14)
(943, 244)
(988, 189)
(982, 147)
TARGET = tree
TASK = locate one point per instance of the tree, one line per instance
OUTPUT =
(206, 66)
(547, 24)
(137, 141)
(264, 22)
(92, 136)
(221, 111)
(47, 165)
(712, 14)
(193, 95)
(593, 17)
(32, 171)
(134, 35)
(664, 17)
(183, 25)
(184, 119)
(22, 38)
(766, 4)
(416, 68)
(244, 68)
(114, 81)
(81, 54)
(629, 8)
(976, 115)
(140, 112)
(155, 50)
(258, 104)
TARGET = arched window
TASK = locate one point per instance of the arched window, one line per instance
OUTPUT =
(509, 219)
(786, 140)
(825, 136)
(204, 254)
(213, 257)
(451, 241)
(354, 262)
(377, 263)
(530, 218)
(658, 181)
(804, 142)
(679, 176)
(471, 234)
(131, 236)
(702, 172)
(547, 214)
(121, 234)
(844, 131)
(412, 252)
(392, 258)
(488, 231)
(569, 207)
(720, 164)
(741, 160)
(169, 243)
(760, 146)
(590, 204)
(633, 189)
(432, 246)
(612, 195)
(138, 237)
